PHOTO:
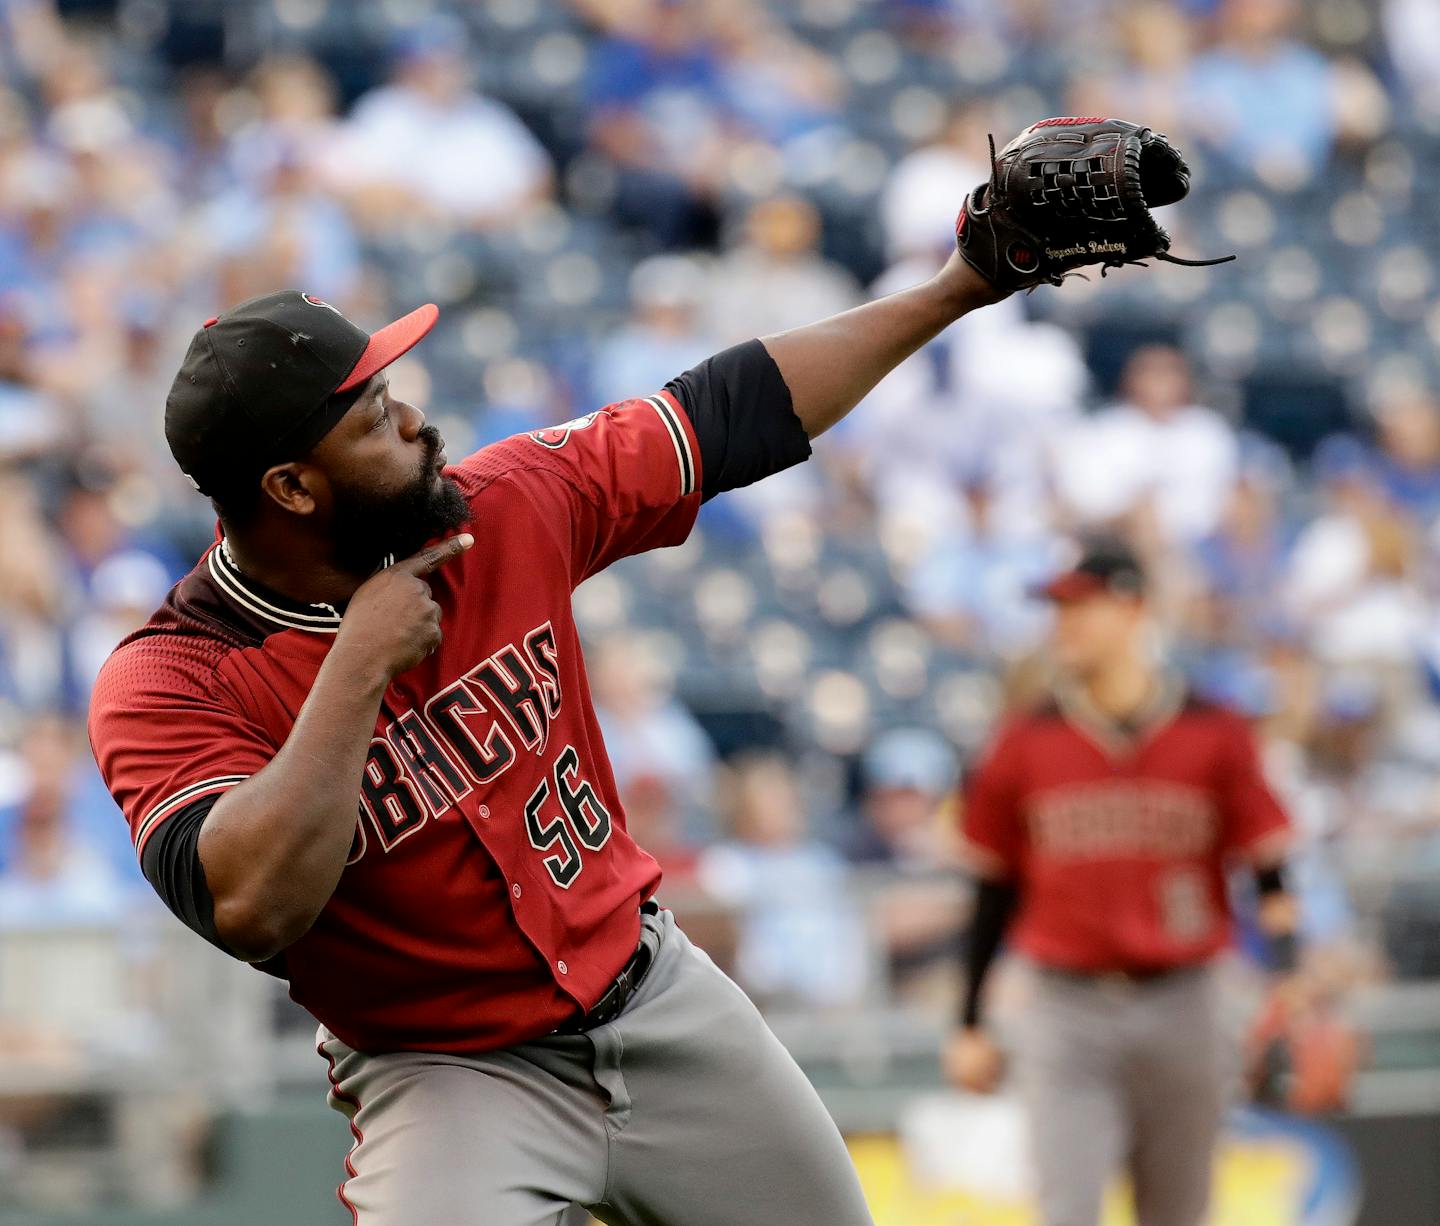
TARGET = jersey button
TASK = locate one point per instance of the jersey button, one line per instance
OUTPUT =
(515, 889)
(562, 968)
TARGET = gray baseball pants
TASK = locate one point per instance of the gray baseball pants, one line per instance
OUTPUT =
(1120, 1076)
(683, 1111)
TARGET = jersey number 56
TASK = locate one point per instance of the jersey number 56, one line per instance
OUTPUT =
(583, 821)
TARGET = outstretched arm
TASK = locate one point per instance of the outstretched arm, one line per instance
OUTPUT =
(831, 366)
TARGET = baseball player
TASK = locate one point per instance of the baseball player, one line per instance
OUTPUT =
(1101, 826)
(356, 746)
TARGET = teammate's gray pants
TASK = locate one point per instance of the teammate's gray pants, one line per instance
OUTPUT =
(1123, 1077)
(684, 1111)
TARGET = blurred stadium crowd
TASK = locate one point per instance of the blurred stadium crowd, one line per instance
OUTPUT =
(598, 194)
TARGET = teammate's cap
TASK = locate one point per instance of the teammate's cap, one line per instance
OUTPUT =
(1105, 565)
(260, 384)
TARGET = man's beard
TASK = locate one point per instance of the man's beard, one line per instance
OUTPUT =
(370, 525)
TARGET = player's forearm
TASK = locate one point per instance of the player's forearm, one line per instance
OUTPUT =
(832, 365)
(994, 904)
(274, 847)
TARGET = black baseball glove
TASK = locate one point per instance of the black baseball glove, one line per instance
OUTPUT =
(1068, 192)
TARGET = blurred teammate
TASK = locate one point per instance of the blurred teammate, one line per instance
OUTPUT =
(1100, 827)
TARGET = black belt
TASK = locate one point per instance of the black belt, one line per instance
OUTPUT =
(614, 999)
(1136, 976)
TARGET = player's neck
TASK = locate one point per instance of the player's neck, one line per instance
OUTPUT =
(1122, 689)
(299, 569)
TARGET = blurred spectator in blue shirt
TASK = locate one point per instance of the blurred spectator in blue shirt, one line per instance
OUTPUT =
(428, 147)
(286, 231)
(971, 589)
(1407, 417)
(664, 336)
(781, 89)
(1239, 561)
(661, 114)
(802, 937)
(30, 421)
(296, 101)
(1270, 105)
(907, 775)
(49, 873)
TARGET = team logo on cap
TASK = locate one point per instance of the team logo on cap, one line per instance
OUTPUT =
(556, 437)
(320, 302)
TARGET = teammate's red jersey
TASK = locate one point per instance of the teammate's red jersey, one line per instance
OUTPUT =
(1119, 843)
(491, 887)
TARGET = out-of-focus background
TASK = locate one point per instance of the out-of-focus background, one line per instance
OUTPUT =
(598, 194)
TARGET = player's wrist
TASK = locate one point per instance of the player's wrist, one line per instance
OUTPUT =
(358, 667)
(964, 288)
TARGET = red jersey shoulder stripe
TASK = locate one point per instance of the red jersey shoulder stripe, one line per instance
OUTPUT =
(663, 405)
(178, 800)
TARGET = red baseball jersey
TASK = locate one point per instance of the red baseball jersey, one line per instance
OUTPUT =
(1120, 843)
(491, 888)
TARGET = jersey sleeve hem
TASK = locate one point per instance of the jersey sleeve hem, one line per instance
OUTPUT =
(1268, 847)
(984, 861)
(677, 425)
(172, 804)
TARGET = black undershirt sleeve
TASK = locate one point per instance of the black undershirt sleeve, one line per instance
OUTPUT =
(171, 863)
(743, 417)
(994, 904)
(1283, 948)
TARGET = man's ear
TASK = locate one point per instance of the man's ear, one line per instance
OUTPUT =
(295, 486)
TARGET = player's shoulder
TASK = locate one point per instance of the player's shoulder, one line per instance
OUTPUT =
(575, 452)
(1037, 713)
(180, 650)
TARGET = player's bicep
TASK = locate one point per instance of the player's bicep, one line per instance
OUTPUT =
(171, 863)
(1257, 826)
(742, 415)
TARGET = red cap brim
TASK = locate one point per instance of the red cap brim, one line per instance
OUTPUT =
(391, 342)
(1072, 585)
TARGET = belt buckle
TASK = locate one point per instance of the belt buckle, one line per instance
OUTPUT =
(1118, 982)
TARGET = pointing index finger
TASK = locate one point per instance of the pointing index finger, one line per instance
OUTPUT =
(433, 557)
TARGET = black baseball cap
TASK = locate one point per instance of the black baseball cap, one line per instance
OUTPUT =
(264, 382)
(1104, 565)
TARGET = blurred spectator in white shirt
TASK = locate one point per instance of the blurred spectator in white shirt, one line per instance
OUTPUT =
(1353, 579)
(987, 397)
(802, 937)
(1155, 453)
(776, 279)
(656, 747)
(1412, 35)
(924, 192)
(427, 146)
